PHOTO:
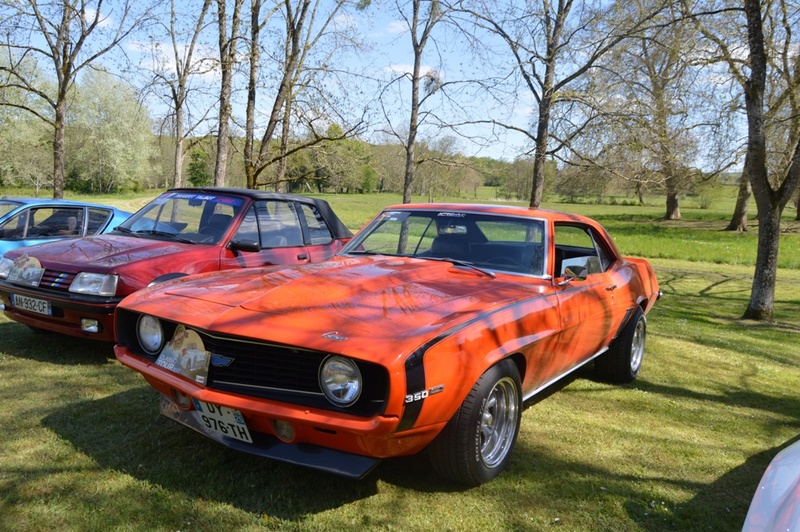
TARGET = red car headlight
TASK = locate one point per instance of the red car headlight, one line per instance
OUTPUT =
(150, 334)
(340, 380)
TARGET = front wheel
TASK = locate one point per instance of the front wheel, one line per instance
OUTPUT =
(623, 360)
(476, 443)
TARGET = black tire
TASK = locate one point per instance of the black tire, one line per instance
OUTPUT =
(623, 360)
(476, 443)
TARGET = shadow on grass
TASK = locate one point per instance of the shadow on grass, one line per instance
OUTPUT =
(22, 342)
(728, 498)
(139, 442)
(133, 439)
(126, 434)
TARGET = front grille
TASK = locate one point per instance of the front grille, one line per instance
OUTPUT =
(277, 372)
(56, 280)
(264, 366)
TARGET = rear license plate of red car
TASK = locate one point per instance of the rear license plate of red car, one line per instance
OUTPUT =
(223, 421)
(31, 304)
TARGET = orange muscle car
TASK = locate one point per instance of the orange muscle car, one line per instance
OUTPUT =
(427, 331)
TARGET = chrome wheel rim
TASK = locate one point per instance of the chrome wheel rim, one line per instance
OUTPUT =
(637, 346)
(499, 418)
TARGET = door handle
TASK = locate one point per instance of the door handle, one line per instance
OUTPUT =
(611, 288)
(302, 256)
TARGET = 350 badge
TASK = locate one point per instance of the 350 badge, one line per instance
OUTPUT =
(419, 396)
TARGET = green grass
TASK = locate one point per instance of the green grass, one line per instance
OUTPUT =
(681, 448)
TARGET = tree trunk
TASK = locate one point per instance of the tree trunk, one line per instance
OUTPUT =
(413, 125)
(673, 207)
(177, 167)
(542, 132)
(762, 297)
(252, 84)
(739, 219)
(770, 201)
(58, 149)
(227, 56)
(539, 164)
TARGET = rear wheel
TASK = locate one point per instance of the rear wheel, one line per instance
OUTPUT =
(623, 360)
(476, 443)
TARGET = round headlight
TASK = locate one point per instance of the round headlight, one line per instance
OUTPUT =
(340, 380)
(150, 334)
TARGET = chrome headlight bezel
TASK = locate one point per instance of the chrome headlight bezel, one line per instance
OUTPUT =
(340, 380)
(5, 267)
(94, 284)
(150, 334)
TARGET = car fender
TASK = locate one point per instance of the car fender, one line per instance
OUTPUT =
(649, 283)
(441, 373)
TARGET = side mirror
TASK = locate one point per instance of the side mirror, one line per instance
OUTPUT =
(244, 245)
(576, 273)
(573, 273)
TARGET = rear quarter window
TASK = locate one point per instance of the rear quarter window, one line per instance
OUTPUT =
(98, 218)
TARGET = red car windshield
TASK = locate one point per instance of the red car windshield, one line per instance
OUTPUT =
(187, 216)
(508, 243)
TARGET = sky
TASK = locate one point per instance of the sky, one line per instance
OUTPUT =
(387, 55)
(448, 55)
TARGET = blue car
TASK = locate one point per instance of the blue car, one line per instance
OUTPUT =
(29, 221)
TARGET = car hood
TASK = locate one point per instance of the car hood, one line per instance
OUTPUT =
(348, 305)
(100, 253)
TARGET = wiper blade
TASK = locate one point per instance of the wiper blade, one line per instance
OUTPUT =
(365, 252)
(166, 234)
(125, 231)
(464, 263)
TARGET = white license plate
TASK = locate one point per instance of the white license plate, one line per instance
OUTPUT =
(31, 304)
(223, 420)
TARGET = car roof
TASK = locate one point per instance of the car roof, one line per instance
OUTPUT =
(333, 221)
(510, 210)
(50, 201)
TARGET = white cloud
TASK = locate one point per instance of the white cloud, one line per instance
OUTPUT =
(397, 27)
(103, 21)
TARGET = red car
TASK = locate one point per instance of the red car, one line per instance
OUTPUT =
(72, 287)
(427, 331)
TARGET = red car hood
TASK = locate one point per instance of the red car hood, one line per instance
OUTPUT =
(99, 254)
(348, 305)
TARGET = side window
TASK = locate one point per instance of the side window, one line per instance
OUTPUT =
(15, 228)
(603, 254)
(48, 222)
(278, 225)
(576, 246)
(248, 229)
(318, 229)
(97, 220)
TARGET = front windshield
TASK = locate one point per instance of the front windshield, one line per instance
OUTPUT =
(495, 242)
(185, 216)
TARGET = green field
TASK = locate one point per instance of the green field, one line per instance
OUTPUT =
(681, 448)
